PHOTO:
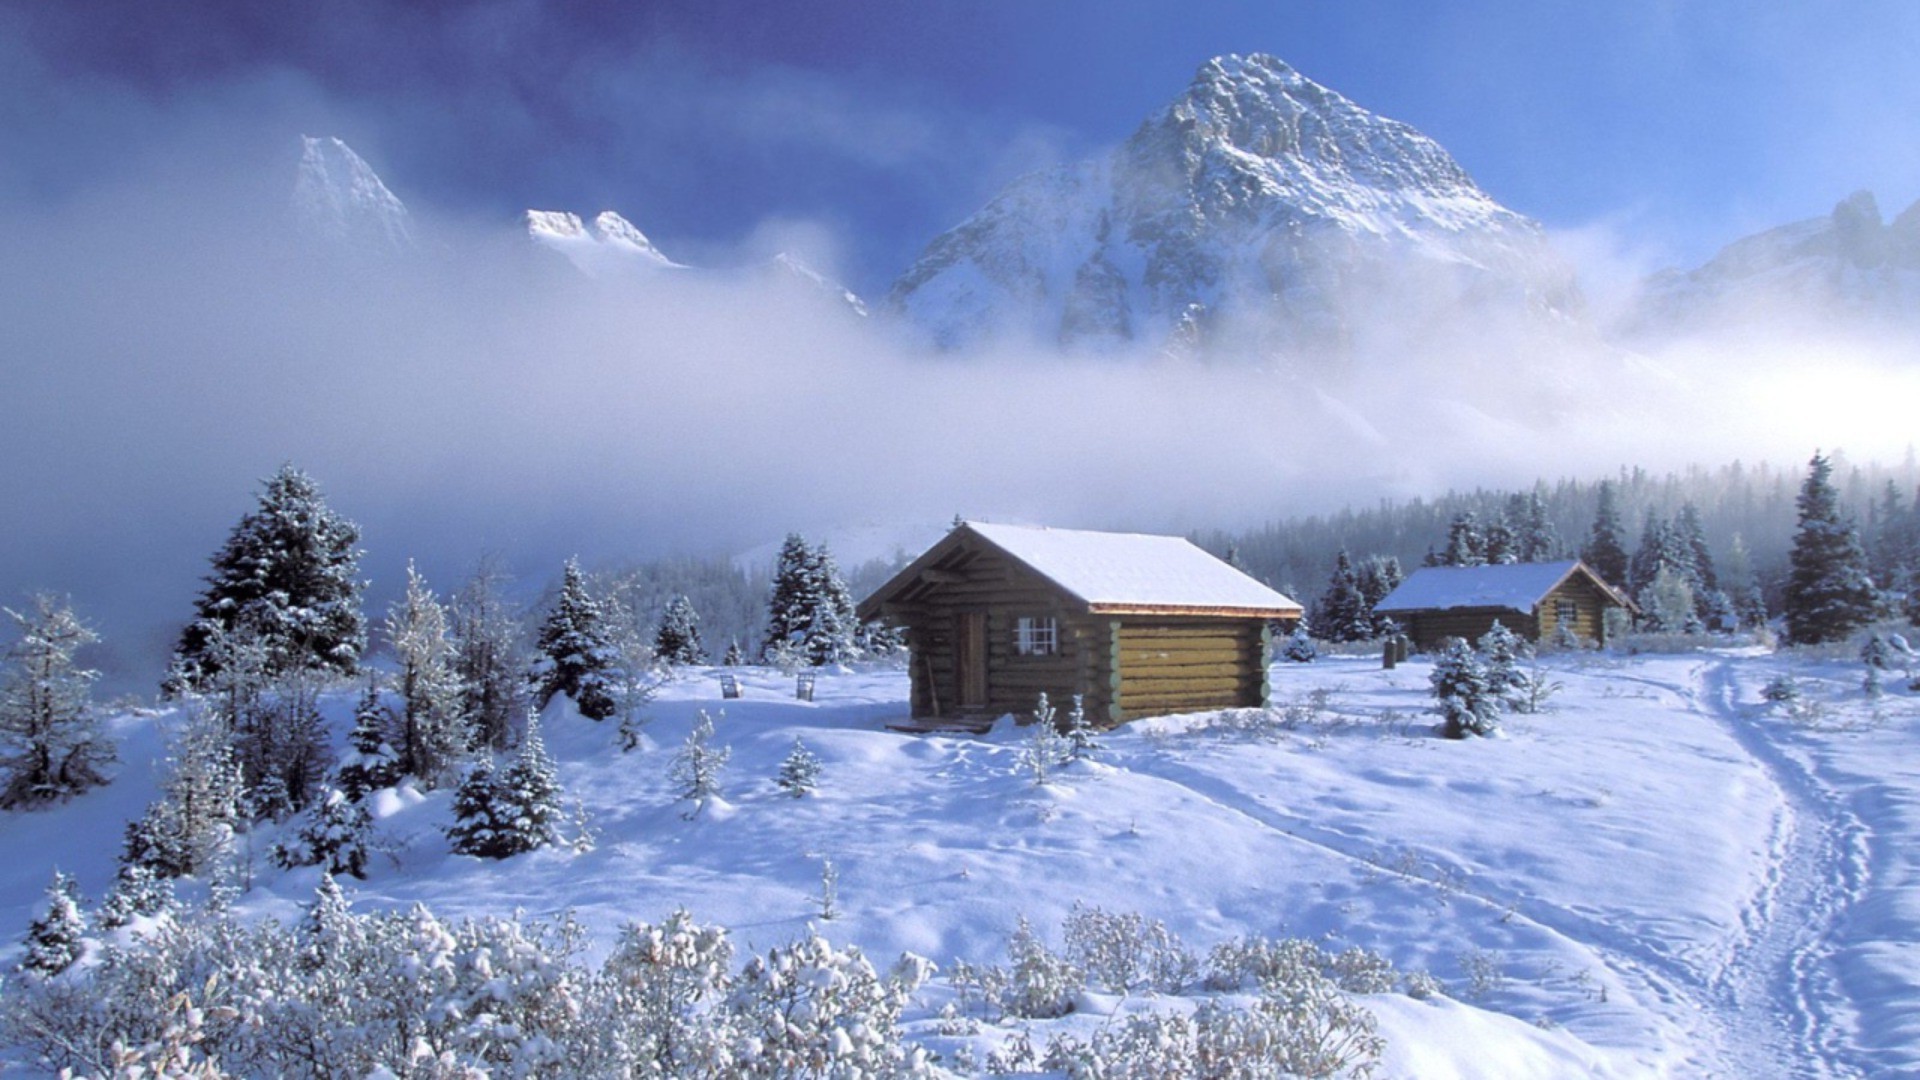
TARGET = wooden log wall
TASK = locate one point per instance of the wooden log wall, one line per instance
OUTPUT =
(1429, 628)
(1590, 615)
(1169, 666)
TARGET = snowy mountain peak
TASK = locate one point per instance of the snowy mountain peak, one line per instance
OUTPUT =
(1825, 270)
(792, 267)
(1258, 213)
(338, 197)
(611, 246)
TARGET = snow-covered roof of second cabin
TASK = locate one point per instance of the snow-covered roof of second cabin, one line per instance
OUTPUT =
(1124, 573)
(1514, 586)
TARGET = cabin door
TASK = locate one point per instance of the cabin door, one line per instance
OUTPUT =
(970, 659)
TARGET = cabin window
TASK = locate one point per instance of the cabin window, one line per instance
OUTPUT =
(1035, 636)
(1566, 611)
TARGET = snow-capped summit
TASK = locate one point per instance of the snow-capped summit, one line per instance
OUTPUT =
(1259, 212)
(611, 246)
(338, 197)
(1833, 269)
(790, 267)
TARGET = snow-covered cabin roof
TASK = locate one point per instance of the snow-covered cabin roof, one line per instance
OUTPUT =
(1515, 586)
(1118, 573)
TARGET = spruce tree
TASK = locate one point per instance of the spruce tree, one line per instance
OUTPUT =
(677, 641)
(1535, 538)
(51, 744)
(577, 656)
(1829, 594)
(56, 936)
(371, 763)
(333, 835)
(1300, 648)
(489, 661)
(432, 734)
(289, 571)
(136, 891)
(1605, 551)
(1500, 545)
(735, 657)
(1463, 691)
(799, 770)
(477, 827)
(1343, 613)
(1379, 575)
(697, 765)
(1748, 603)
(527, 796)
(810, 609)
(1466, 542)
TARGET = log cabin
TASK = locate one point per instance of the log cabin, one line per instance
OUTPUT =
(1530, 599)
(1138, 625)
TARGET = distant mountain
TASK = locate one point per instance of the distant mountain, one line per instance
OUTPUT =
(339, 199)
(1258, 213)
(613, 248)
(1847, 268)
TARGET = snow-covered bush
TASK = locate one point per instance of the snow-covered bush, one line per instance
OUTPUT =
(1036, 984)
(1046, 749)
(334, 833)
(697, 765)
(799, 770)
(1299, 647)
(809, 1009)
(136, 891)
(54, 938)
(1124, 952)
(1463, 691)
(1781, 690)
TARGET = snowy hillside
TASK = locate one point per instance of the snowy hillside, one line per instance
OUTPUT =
(1258, 212)
(1847, 268)
(1658, 876)
(338, 198)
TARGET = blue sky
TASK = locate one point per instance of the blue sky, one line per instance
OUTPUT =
(857, 130)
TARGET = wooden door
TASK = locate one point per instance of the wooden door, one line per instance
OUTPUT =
(970, 659)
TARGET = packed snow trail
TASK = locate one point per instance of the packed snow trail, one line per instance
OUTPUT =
(1786, 1010)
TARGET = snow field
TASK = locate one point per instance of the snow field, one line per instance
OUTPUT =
(1657, 876)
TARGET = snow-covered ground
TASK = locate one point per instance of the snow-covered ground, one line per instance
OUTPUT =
(1658, 876)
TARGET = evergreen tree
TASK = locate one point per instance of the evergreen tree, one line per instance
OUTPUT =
(477, 828)
(51, 743)
(56, 936)
(1082, 742)
(371, 764)
(1463, 691)
(677, 641)
(1466, 543)
(489, 662)
(1503, 651)
(1896, 544)
(1501, 546)
(136, 891)
(810, 608)
(1605, 551)
(333, 835)
(1748, 603)
(200, 805)
(1379, 575)
(1829, 594)
(1535, 538)
(734, 657)
(1343, 613)
(697, 766)
(1655, 551)
(289, 571)
(1666, 604)
(799, 770)
(1299, 647)
(527, 799)
(432, 734)
(577, 656)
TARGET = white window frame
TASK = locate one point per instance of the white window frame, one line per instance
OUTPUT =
(1566, 611)
(1036, 635)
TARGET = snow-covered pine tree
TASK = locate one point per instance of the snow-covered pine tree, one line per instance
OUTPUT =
(1505, 653)
(790, 603)
(488, 658)
(1829, 594)
(332, 835)
(1045, 747)
(877, 639)
(1082, 742)
(1656, 549)
(371, 763)
(527, 801)
(1666, 603)
(1378, 576)
(1748, 603)
(1342, 614)
(698, 764)
(576, 651)
(799, 770)
(432, 734)
(810, 607)
(677, 640)
(477, 829)
(1463, 691)
(1605, 551)
(1466, 542)
(51, 743)
(1535, 538)
(1895, 552)
(1300, 648)
(56, 936)
(290, 571)
(200, 805)
(1691, 535)
(136, 891)
(735, 657)
(1502, 546)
